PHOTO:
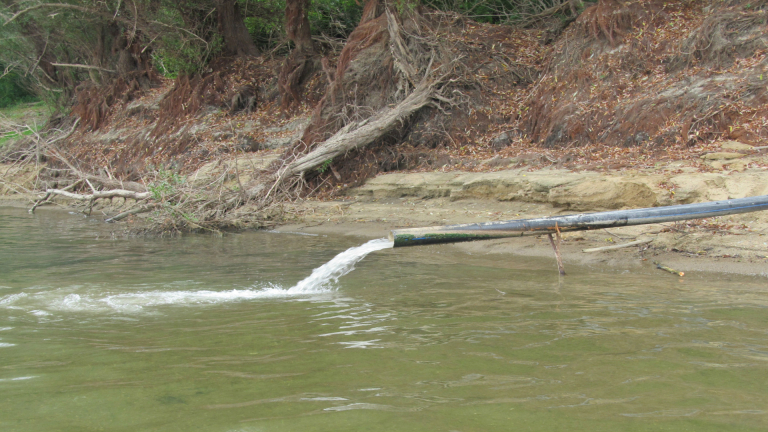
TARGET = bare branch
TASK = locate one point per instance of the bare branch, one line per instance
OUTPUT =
(48, 5)
(114, 193)
(82, 66)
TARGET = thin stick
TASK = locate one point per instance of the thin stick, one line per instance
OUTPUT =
(556, 247)
(661, 266)
(44, 199)
(619, 246)
(82, 66)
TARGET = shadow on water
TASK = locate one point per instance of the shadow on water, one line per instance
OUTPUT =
(97, 331)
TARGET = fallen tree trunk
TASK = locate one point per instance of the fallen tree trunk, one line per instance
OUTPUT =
(115, 184)
(114, 193)
(360, 134)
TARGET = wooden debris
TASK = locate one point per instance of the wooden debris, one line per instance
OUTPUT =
(619, 246)
(668, 269)
(556, 247)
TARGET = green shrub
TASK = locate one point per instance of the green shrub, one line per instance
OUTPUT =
(13, 91)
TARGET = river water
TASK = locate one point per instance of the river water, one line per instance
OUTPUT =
(99, 332)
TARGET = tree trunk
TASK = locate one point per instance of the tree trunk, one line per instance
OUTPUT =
(237, 40)
(302, 62)
(297, 25)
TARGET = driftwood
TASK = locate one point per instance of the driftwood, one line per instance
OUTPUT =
(360, 134)
(105, 181)
(114, 193)
(115, 184)
(556, 247)
(661, 266)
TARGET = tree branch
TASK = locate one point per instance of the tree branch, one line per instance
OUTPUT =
(48, 5)
(82, 66)
(119, 193)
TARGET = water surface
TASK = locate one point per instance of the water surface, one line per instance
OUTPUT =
(199, 333)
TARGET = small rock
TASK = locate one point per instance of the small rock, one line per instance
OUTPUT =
(248, 144)
(738, 165)
(221, 136)
(636, 139)
(275, 143)
(501, 141)
(496, 162)
(735, 145)
(442, 160)
(722, 156)
(531, 158)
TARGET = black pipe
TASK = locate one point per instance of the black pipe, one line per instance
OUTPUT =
(576, 222)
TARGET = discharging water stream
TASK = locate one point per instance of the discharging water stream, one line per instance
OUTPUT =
(266, 331)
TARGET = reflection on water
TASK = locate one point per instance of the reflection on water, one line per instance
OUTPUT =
(203, 333)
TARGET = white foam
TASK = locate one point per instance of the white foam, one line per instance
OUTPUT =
(322, 399)
(361, 344)
(18, 378)
(343, 263)
(98, 298)
(11, 299)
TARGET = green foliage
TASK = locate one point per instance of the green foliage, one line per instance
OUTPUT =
(495, 11)
(265, 21)
(181, 36)
(6, 138)
(325, 166)
(166, 185)
(182, 52)
(174, 56)
(13, 91)
(334, 18)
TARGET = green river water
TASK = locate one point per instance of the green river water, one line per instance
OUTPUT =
(103, 333)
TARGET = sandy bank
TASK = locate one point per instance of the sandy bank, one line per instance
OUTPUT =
(737, 244)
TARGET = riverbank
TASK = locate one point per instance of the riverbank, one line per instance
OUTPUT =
(732, 244)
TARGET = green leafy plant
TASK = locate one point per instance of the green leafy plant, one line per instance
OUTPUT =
(325, 166)
(166, 185)
(13, 91)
